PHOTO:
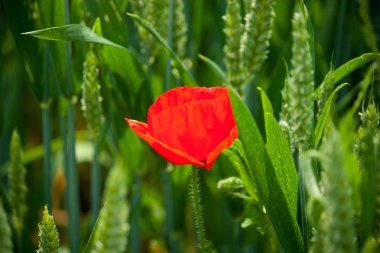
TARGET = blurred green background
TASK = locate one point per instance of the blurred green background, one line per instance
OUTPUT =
(29, 65)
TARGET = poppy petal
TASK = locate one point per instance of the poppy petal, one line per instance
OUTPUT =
(197, 126)
(180, 95)
(171, 154)
(221, 146)
(189, 125)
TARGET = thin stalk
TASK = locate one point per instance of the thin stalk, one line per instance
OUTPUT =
(170, 38)
(95, 185)
(166, 183)
(72, 198)
(302, 209)
(338, 52)
(46, 131)
(135, 215)
(203, 244)
(301, 219)
(168, 201)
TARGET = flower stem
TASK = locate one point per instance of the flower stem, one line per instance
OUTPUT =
(203, 244)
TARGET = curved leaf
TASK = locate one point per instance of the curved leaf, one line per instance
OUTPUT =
(267, 105)
(347, 68)
(323, 117)
(72, 32)
(352, 65)
(268, 186)
(215, 68)
(281, 155)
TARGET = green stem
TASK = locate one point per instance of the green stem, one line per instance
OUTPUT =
(167, 188)
(170, 38)
(301, 200)
(168, 201)
(203, 244)
(46, 130)
(135, 215)
(95, 185)
(72, 198)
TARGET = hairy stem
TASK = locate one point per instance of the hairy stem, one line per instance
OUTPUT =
(203, 244)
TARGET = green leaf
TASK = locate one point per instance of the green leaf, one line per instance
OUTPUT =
(97, 27)
(352, 65)
(347, 68)
(215, 68)
(91, 241)
(18, 19)
(238, 158)
(281, 155)
(72, 32)
(267, 105)
(186, 75)
(268, 186)
(323, 117)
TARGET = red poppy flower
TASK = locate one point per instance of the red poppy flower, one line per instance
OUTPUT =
(189, 125)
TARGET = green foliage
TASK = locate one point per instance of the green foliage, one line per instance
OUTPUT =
(322, 120)
(337, 220)
(47, 234)
(111, 230)
(334, 76)
(72, 32)
(156, 13)
(17, 184)
(269, 190)
(298, 93)
(185, 74)
(5, 232)
(263, 193)
(367, 149)
(91, 96)
(280, 155)
(230, 185)
(179, 29)
(233, 31)
(255, 40)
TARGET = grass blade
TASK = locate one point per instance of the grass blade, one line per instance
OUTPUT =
(348, 67)
(72, 32)
(268, 185)
(323, 117)
(214, 68)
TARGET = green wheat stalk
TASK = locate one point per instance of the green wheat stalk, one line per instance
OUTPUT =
(91, 97)
(94, 118)
(48, 237)
(179, 39)
(255, 39)
(157, 13)
(233, 31)
(298, 102)
(17, 184)
(112, 229)
(138, 7)
(5, 232)
(337, 220)
(367, 147)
